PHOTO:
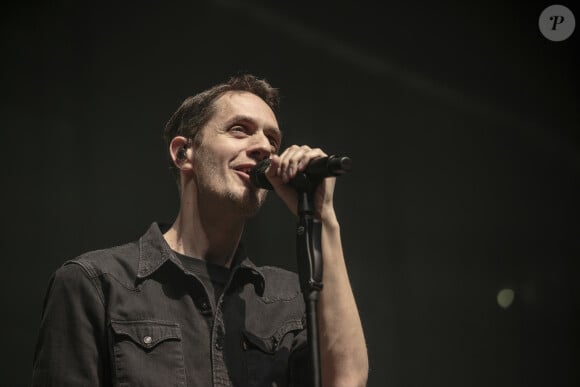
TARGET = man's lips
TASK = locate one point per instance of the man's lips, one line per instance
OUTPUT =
(242, 174)
(244, 171)
(245, 167)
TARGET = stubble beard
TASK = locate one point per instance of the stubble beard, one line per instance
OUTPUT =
(250, 203)
(218, 190)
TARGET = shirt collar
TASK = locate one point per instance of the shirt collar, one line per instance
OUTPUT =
(154, 252)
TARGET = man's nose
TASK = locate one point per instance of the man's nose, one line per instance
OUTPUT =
(260, 147)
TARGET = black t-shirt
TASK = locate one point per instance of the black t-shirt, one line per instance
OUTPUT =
(214, 277)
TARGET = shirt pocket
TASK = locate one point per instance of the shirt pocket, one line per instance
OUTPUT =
(148, 353)
(267, 355)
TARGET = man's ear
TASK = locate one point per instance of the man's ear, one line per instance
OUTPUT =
(180, 152)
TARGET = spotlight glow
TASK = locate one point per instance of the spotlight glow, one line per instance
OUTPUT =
(505, 298)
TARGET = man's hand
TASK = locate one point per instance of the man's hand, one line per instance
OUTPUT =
(285, 166)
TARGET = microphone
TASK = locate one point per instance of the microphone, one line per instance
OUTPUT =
(316, 170)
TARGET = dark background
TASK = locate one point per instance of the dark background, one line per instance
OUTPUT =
(462, 121)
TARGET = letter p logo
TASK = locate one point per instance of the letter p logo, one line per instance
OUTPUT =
(557, 20)
(556, 23)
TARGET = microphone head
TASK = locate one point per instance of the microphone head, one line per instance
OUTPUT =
(339, 165)
(258, 175)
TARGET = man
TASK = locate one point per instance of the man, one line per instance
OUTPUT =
(184, 306)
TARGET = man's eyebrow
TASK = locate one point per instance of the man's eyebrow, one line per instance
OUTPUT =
(250, 120)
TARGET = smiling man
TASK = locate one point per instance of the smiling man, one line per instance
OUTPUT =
(184, 305)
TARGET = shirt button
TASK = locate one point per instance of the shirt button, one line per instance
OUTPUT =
(147, 339)
(203, 305)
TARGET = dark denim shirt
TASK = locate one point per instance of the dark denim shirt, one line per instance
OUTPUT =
(133, 316)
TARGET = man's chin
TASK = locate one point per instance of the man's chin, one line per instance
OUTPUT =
(254, 203)
(251, 202)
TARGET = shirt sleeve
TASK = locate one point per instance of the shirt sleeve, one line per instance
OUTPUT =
(71, 349)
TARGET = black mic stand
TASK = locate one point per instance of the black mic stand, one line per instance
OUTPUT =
(309, 256)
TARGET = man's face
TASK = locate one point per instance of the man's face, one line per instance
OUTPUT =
(242, 131)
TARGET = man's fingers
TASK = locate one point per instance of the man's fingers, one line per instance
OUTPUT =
(295, 159)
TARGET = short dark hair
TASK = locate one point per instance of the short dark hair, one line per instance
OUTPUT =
(197, 110)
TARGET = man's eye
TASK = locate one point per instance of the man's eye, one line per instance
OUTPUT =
(238, 129)
(273, 142)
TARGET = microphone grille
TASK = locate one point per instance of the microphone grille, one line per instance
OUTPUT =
(258, 175)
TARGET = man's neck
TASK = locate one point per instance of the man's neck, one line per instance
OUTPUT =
(212, 239)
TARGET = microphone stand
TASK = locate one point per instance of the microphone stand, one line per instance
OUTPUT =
(309, 256)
